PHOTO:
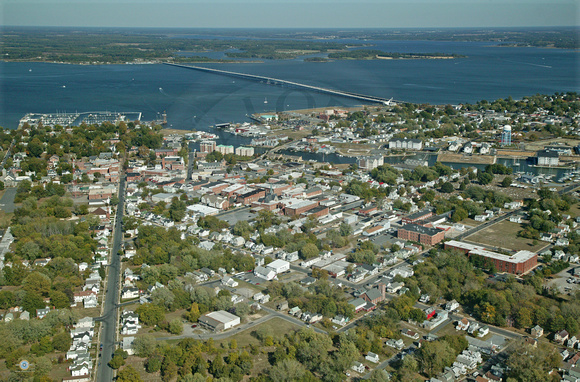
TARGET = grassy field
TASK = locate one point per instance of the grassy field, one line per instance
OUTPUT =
(504, 235)
(574, 210)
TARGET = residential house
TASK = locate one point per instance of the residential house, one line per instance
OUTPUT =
(537, 331)
(561, 337)
(372, 357)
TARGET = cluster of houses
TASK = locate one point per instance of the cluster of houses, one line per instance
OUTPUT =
(82, 335)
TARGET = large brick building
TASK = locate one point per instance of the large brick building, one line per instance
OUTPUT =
(251, 196)
(300, 207)
(417, 217)
(423, 235)
(519, 263)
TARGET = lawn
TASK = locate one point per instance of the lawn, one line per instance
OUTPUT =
(244, 338)
(574, 210)
(5, 219)
(504, 235)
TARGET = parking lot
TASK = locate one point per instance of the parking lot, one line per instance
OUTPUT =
(565, 282)
(232, 217)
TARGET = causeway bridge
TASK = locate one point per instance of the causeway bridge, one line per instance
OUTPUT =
(296, 85)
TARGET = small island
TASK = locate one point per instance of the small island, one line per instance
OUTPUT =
(372, 54)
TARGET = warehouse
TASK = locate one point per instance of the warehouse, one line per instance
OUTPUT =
(279, 266)
(219, 321)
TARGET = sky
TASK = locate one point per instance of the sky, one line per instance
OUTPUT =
(290, 13)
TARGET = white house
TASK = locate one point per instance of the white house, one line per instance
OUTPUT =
(372, 357)
(264, 273)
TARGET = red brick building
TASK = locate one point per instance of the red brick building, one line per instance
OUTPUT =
(417, 217)
(423, 235)
(300, 208)
(375, 295)
(517, 264)
(251, 196)
(319, 211)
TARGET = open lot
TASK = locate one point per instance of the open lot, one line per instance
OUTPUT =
(504, 236)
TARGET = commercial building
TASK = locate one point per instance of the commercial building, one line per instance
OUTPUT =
(519, 263)
(219, 321)
(423, 235)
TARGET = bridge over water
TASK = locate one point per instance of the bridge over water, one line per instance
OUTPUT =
(285, 83)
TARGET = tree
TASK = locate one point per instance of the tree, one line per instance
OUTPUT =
(345, 229)
(59, 299)
(434, 356)
(61, 341)
(117, 361)
(37, 282)
(194, 313)
(42, 367)
(129, 374)
(484, 177)
(447, 188)
(506, 182)
(459, 214)
(175, 326)
(379, 376)
(309, 251)
(150, 314)
(163, 297)
(145, 345)
(31, 302)
(287, 370)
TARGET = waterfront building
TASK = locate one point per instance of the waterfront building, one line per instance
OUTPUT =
(245, 151)
(207, 146)
(548, 158)
(370, 162)
(225, 149)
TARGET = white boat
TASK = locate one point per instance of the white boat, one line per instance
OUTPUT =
(265, 100)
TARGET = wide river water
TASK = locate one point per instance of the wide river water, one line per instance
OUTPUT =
(196, 100)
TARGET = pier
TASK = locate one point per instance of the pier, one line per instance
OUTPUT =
(296, 85)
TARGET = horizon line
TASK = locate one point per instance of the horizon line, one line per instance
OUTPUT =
(290, 28)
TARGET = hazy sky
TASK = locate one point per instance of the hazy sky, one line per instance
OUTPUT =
(290, 13)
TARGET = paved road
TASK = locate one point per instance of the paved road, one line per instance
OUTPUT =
(7, 201)
(190, 165)
(110, 312)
